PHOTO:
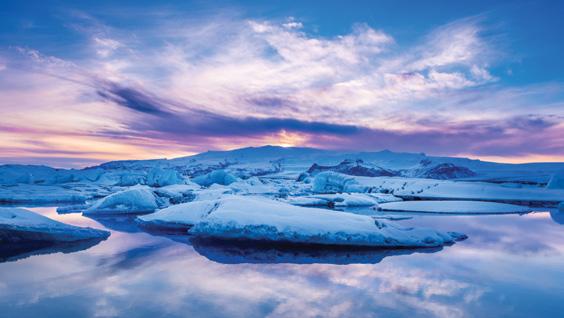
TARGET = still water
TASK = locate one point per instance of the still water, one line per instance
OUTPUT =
(511, 266)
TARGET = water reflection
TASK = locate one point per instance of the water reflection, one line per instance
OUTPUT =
(120, 223)
(16, 251)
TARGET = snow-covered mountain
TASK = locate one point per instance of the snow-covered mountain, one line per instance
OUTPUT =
(285, 163)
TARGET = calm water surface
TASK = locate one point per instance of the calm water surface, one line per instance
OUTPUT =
(511, 266)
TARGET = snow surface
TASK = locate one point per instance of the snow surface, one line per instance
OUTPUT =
(20, 225)
(178, 217)
(454, 207)
(138, 199)
(258, 218)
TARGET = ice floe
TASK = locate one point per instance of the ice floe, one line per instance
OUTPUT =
(134, 200)
(20, 226)
(342, 199)
(454, 207)
(261, 219)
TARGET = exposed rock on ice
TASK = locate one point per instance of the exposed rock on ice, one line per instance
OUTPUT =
(454, 207)
(353, 168)
(217, 176)
(445, 171)
(20, 226)
(556, 181)
(135, 200)
(256, 218)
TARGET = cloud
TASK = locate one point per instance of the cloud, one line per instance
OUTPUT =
(187, 85)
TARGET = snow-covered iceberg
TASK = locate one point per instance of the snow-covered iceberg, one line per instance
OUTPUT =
(454, 207)
(261, 219)
(135, 200)
(178, 217)
(21, 226)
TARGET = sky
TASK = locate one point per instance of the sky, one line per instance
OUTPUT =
(83, 82)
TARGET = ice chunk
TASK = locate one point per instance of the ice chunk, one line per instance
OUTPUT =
(332, 182)
(454, 207)
(556, 181)
(159, 177)
(20, 226)
(343, 199)
(256, 218)
(134, 200)
(178, 193)
(217, 176)
(561, 207)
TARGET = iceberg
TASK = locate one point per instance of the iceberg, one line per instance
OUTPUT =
(217, 176)
(178, 193)
(133, 200)
(159, 177)
(21, 226)
(261, 219)
(561, 207)
(454, 207)
(333, 182)
(556, 181)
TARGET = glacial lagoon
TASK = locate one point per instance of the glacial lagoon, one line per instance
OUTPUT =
(511, 265)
